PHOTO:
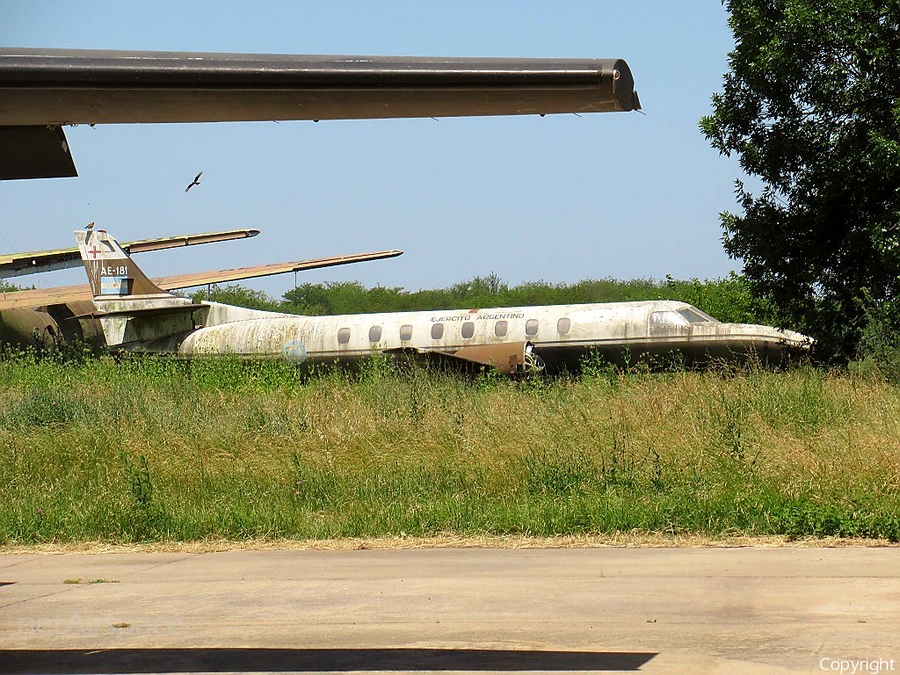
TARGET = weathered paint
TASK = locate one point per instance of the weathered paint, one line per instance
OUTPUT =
(110, 270)
(43, 326)
(608, 328)
(40, 87)
(256, 271)
(43, 89)
(67, 294)
(27, 327)
(19, 264)
(559, 335)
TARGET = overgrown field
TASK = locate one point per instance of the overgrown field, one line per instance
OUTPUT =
(155, 449)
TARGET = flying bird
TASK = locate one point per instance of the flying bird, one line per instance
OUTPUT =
(194, 182)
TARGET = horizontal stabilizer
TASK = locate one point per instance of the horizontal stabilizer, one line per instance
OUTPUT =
(144, 312)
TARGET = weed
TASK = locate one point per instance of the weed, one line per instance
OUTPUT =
(130, 451)
(138, 476)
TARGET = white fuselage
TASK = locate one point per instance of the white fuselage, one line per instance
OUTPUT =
(560, 334)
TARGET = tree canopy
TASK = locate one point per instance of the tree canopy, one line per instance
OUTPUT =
(811, 107)
(730, 299)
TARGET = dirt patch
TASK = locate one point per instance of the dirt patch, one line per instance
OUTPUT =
(449, 541)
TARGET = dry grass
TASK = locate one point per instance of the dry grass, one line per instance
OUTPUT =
(625, 540)
(157, 451)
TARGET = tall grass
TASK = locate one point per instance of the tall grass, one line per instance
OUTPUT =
(160, 449)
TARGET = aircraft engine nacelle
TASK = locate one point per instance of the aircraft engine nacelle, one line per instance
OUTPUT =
(28, 328)
(45, 326)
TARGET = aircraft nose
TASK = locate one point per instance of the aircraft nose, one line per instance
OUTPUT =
(795, 339)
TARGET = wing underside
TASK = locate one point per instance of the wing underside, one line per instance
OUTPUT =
(507, 358)
(42, 90)
(35, 152)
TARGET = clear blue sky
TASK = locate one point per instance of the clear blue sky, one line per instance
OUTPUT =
(560, 198)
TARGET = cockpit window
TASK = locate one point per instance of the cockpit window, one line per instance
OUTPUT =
(696, 316)
(683, 317)
(667, 318)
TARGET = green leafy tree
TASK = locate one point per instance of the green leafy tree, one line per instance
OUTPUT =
(235, 294)
(311, 299)
(341, 297)
(730, 299)
(811, 107)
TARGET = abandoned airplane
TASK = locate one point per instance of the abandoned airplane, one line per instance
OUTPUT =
(47, 316)
(137, 315)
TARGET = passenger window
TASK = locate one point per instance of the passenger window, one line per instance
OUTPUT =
(406, 332)
(343, 336)
(563, 326)
(468, 330)
(437, 331)
(531, 327)
(500, 329)
(375, 334)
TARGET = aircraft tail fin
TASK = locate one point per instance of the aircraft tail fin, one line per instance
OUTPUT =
(132, 309)
(111, 272)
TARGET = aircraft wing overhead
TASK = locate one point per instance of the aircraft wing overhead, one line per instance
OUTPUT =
(44, 89)
(19, 264)
(41, 297)
(177, 241)
(237, 274)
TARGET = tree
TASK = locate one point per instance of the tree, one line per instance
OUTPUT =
(235, 294)
(811, 106)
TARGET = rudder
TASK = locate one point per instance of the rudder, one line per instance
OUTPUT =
(134, 312)
(111, 272)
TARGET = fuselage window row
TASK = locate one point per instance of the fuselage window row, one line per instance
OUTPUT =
(467, 330)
